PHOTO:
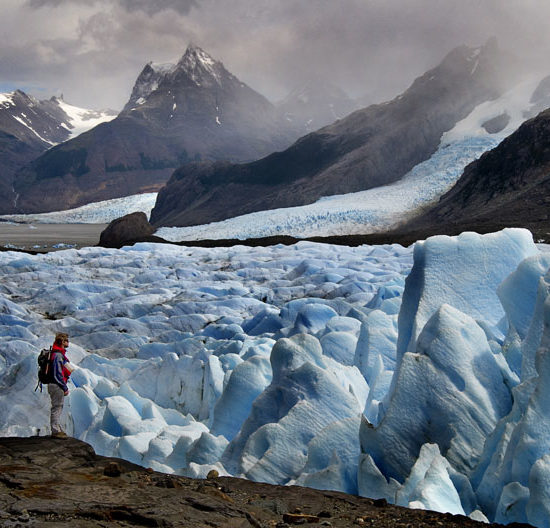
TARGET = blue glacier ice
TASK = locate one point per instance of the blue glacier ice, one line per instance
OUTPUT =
(416, 374)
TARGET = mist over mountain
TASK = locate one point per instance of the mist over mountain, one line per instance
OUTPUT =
(315, 104)
(193, 110)
(371, 147)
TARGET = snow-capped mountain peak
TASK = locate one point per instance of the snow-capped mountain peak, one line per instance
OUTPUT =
(195, 65)
(200, 66)
(47, 122)
(147, 82)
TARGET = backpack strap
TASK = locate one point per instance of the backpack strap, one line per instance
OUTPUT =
(48, 365)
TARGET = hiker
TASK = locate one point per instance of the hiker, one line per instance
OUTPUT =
(57, 388)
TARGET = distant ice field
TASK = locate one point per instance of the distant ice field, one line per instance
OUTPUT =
(93, 213)
(382, 207)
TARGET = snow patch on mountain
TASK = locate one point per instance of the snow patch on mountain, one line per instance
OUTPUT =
(82, 119)
(6, 99)
(27, 123)
(515, 104)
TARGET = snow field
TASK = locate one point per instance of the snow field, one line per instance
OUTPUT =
(82, 119)
(326, 366)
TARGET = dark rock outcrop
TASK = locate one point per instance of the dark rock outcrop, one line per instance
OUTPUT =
(508, 186)
(127, 228)
(63, 483)
(194, 110)
(371, 147)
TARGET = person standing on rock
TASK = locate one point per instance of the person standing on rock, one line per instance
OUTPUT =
(57, 389)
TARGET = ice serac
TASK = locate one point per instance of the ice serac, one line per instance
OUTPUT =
(512, 479)
(450, 392)
(193, 111)
(300, 402)
(371, 147)
(247, 381)
(463, 271)
(332, 457)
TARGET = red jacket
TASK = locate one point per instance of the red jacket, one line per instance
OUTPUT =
(60, 372)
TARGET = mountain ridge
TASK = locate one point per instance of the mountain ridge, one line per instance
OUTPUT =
(368, 148)
(195, 110)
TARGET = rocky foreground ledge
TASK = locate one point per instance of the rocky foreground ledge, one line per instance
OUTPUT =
(62, 482)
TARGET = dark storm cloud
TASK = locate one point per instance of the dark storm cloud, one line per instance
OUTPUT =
(148, 6)
(369, 46)
(94, 49)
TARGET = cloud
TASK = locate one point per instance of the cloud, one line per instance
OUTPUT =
(93, 50)
(150, 7)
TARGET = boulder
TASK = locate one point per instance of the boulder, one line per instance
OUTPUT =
(127, 228)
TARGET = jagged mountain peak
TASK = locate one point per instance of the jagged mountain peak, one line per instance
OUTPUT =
(147, 82)
(200, 67)
(195, 65)
(487, 67)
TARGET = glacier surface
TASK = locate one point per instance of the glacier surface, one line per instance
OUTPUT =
(418, 374)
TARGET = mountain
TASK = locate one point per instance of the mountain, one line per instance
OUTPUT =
(371, 147)
(507, 186)
(315, 104)
(29, 127)
(192, 110)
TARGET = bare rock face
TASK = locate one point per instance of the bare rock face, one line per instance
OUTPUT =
(61, 482)
(133, 226)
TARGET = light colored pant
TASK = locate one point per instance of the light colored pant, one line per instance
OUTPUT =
(56, 396)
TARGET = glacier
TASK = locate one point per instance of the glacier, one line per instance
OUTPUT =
(415, 374)
(363, 212)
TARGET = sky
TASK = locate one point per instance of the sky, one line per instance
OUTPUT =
(91, 51)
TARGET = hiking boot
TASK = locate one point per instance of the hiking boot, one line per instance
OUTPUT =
(59, 434)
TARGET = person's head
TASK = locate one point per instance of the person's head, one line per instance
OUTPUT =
(62, 339)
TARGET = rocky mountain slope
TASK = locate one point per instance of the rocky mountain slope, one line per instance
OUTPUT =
(28, 127)
(507, 186)
(193, 110)
(369, 148)
(46, 481)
